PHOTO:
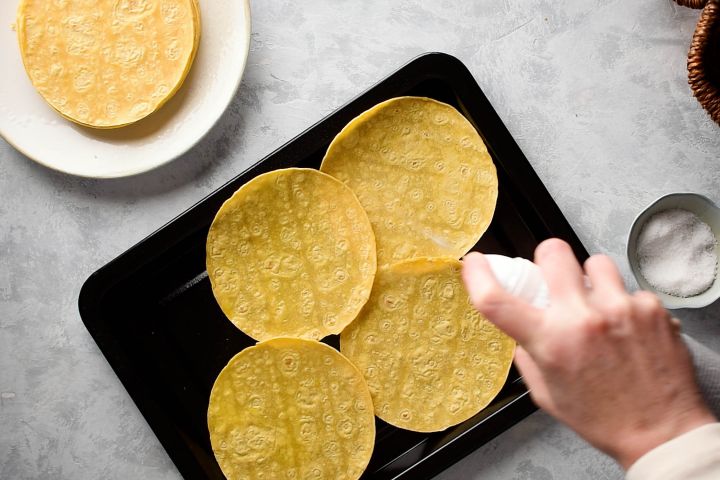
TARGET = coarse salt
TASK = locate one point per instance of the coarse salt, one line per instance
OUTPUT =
(676, 253)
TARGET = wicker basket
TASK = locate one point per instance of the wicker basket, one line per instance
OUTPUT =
(704, 57)
(692, 3)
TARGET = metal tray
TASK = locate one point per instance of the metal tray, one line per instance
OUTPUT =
(153, 315)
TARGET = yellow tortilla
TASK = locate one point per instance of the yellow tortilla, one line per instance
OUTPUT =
(291, 253)
(290, 408)
(422, 173)
(107, 63)
(430, 359)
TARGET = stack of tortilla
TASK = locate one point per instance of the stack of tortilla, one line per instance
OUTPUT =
(107, 63)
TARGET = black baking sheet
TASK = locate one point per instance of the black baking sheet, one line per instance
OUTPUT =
(153, 315)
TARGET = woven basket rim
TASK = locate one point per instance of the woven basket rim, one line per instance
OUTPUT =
(702, 54)
(692, 3)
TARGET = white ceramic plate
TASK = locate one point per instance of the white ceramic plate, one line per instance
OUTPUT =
(35, 129)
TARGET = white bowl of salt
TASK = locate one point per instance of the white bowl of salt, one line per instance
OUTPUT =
(673, 250)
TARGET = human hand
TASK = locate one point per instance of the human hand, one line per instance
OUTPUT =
(610, 365)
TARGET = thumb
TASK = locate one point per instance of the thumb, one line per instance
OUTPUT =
(534, 379)
(515, 317)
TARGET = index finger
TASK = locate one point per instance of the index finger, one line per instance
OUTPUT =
(563, 274)
(513, 316)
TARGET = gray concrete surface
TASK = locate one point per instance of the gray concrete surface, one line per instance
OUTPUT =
(594, 92)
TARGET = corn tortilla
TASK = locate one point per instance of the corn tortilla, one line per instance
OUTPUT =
(430, 359)
(107, 63)
(291, 408)
(422, 173)
(291, 253)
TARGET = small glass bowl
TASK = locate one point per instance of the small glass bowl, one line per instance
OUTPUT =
(709, 213)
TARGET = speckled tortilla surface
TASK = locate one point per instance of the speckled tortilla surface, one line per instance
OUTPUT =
(430, 359)
(107, 63)
(422, 173)
(290, 408)
(291, 253)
